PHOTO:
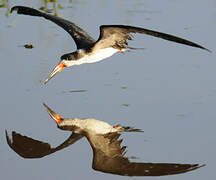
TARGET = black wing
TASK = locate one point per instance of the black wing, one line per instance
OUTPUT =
(108, 157)
(117, 36)
(81, 38)
(27, 147)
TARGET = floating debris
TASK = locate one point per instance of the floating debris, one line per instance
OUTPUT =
(60, 6)
(3, 5)
(45, 9)
(124, 87)
(126, 105)
(7, 13)
(56, 13)
(50, 1)
(28, 46)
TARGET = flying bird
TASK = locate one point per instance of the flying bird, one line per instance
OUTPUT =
(108, 154)
(112, 39)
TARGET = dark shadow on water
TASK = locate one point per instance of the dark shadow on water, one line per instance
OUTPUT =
(27, 46)
(75, 91)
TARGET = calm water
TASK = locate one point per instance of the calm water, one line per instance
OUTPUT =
(168, 90)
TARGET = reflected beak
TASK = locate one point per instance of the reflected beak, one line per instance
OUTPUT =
(56, 117)
(57, 69)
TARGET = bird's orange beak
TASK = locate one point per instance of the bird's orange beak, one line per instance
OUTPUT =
(56, 117)
(57, 69)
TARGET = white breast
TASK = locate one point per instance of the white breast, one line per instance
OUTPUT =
(89, 125)
(94, 126)
(97, 126)
(96, 56)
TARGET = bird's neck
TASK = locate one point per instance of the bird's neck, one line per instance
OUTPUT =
(70, 125)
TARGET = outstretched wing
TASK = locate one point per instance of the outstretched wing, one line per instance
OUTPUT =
(27, 147)
(108, 157)
(81, 38)
(117, 36)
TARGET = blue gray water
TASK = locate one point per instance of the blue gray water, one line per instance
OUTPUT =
(167, 89)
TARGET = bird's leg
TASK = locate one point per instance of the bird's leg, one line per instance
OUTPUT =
(121, 51)
(117, 126)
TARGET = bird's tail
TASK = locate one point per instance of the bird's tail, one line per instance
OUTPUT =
(26, 11)
(127, 129)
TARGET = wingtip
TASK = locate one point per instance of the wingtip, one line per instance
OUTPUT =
(208, 50)
(6, 133)
(196, 166)
(203, 165)
(15, 8)
(8, 138)
(202, 47)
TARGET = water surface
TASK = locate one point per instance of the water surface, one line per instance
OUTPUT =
(171, 89)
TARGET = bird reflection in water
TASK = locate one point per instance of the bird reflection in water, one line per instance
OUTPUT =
(108, 154)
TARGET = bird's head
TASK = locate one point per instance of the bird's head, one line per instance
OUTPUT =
(55, 116)
(66, 61)
(62, 123)
(60, 66)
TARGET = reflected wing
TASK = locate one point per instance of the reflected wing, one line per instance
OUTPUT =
(81, 38)
(27, 147)
(117, 36)
(108, 157)
(122, 166)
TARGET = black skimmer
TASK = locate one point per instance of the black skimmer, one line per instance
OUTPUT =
(112, 39)
(108, 154)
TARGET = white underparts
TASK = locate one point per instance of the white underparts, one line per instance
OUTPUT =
(89, 125)
(94, 57)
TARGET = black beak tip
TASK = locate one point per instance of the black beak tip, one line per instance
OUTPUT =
(46, 80)
(46, 106)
